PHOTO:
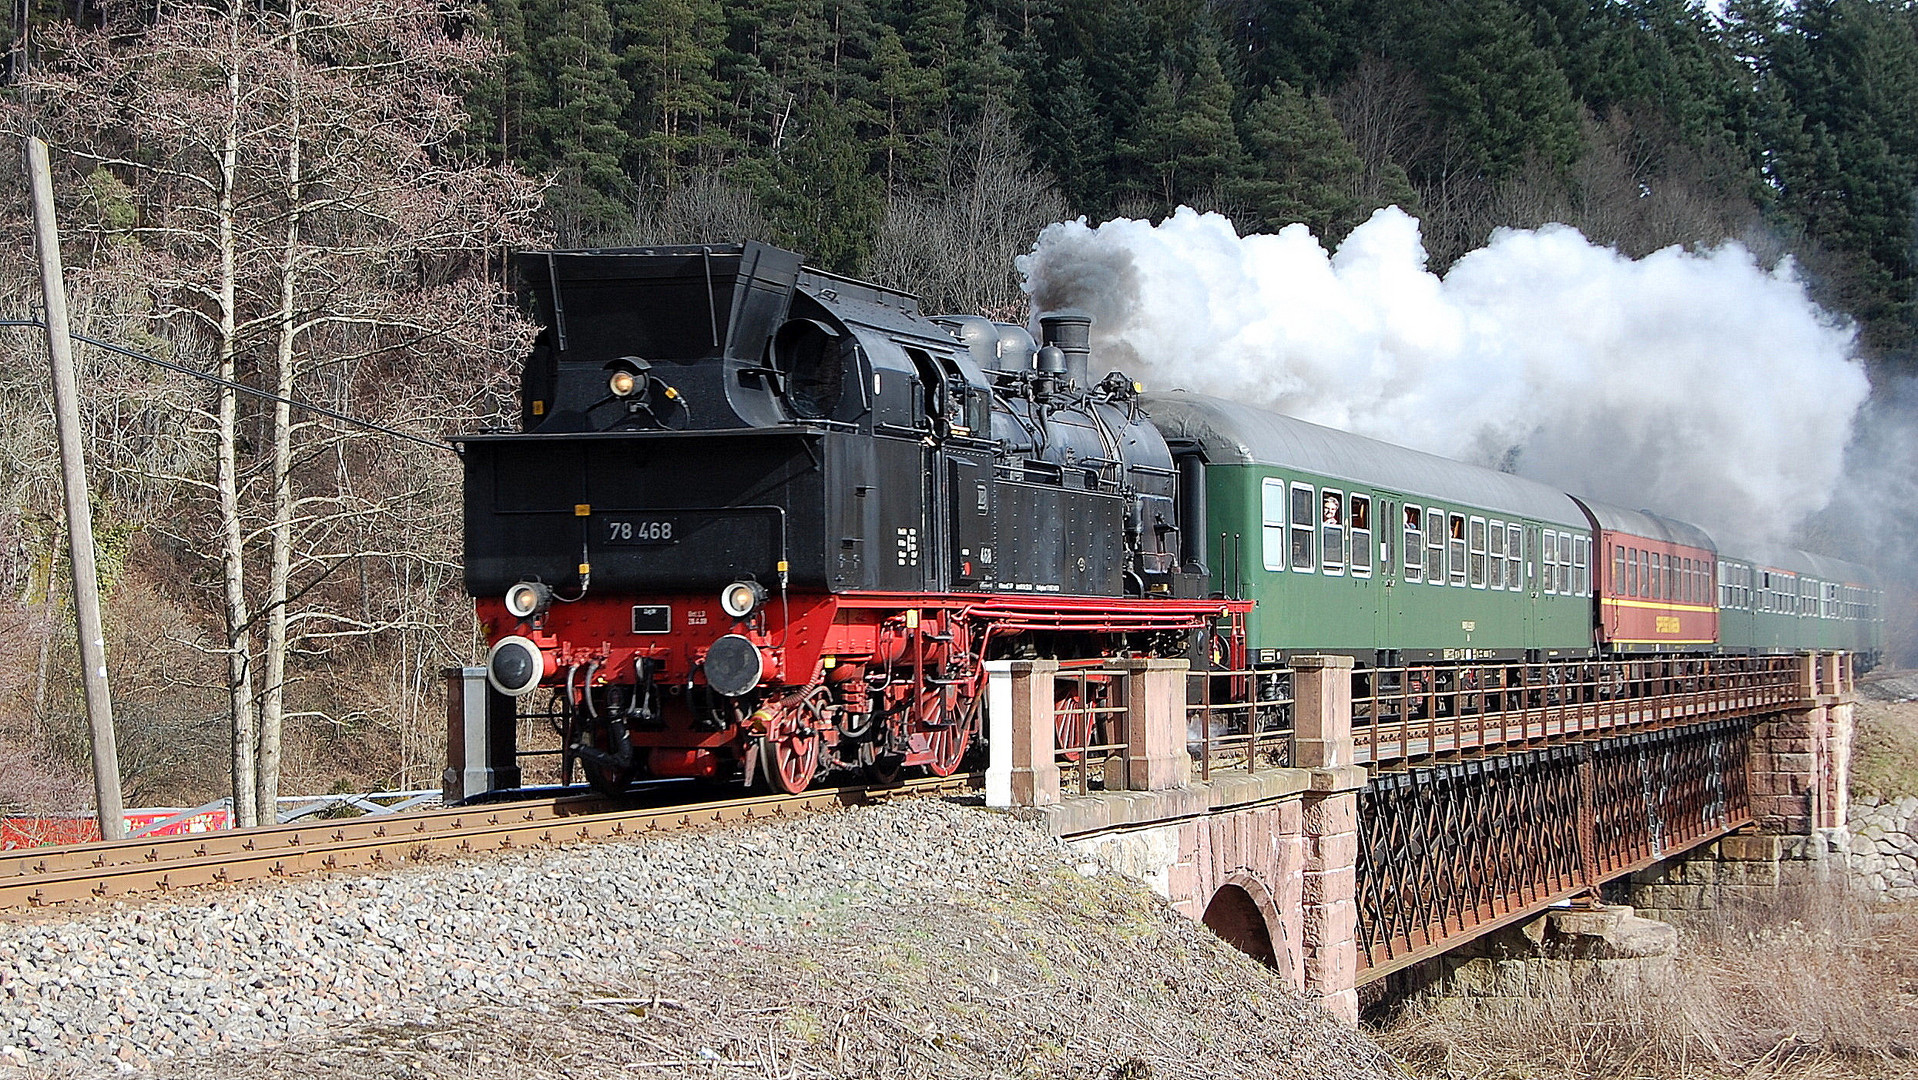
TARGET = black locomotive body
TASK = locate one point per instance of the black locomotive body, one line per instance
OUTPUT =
(767, 520)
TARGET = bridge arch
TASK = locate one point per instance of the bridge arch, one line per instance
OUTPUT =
(1242, 914)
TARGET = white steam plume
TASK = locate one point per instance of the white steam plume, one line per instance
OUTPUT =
(1699, 385)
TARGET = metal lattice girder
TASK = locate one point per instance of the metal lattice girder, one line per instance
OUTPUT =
(1451, 851)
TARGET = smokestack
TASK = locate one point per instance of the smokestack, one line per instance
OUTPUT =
(1071, 333)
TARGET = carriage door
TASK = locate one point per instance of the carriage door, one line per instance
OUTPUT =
(1388, 580)
(1534, 615)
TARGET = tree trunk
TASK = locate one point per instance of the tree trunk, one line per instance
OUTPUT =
(239, 633)
(273, 704)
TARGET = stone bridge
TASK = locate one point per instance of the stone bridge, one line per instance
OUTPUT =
(1351, 824)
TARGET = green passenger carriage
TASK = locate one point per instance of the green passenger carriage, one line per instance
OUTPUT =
(1390, 555)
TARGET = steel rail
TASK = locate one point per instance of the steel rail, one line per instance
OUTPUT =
(40, 877)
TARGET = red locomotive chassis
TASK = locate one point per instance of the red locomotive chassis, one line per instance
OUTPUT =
(919, 654)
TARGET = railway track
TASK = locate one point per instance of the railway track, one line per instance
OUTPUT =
(39, 877)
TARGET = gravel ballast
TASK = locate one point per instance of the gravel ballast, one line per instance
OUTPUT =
(913, 939)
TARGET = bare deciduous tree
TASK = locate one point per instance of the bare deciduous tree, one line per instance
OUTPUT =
(304, 221)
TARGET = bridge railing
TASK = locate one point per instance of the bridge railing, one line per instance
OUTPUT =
(1239, 720)
(1427, 711)
(1236, 720)
(1089, 730)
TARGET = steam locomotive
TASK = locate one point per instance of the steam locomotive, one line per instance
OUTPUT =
(765, 522)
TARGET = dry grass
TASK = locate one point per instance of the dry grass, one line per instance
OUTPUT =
(1825, 996)
(1884, 749)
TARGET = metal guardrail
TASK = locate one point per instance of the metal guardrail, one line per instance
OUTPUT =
(1420, 712)
(1243, 719)
(1088, 728)
(1239, 720)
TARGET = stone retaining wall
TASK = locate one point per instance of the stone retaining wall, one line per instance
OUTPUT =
(1884, 847)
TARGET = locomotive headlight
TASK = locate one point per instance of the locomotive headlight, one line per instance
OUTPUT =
(515, 666)
(527, 599)
(742, 598)
(626, 376)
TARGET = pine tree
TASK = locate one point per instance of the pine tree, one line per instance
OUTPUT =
(1209, 150)
(671, 53)
(820, 192)
(572, 118)
(1844, 151)
(1302, 168)
(1072, 138)
(1501, 98)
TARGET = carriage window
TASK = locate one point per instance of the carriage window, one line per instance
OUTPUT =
(1495, 554)
(1671, 577)
(1477, 539)
(1618, 570)
(1305, 516)
(1455, 548)
(1332, 530)
(1565, 563)
(1414, 545)
(1551, 561)
(1660, 576)
(1724, 586)
(1581, 564)
(1272, 511)
(1360, 522)
(1435, 545)
(1685, 582)
(1514, 545)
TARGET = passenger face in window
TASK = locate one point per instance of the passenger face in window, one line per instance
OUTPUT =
(1331, 514)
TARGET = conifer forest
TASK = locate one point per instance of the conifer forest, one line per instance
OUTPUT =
(313, 198)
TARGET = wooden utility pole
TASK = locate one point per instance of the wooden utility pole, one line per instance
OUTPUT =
(73, 477)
